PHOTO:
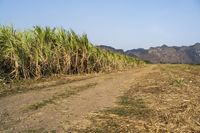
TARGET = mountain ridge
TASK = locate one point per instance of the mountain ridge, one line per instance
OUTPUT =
(164, 53)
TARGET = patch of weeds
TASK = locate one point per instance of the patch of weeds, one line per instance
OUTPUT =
(177, 82)
(68, 92)
(40, 104)
(131, 107)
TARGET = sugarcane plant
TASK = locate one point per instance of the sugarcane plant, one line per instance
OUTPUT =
(45, 51)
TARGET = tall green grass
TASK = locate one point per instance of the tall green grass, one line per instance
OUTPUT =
(43, 51)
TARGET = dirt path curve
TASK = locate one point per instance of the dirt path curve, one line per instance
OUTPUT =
(65, 112)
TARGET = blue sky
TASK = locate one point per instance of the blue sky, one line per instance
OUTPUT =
(123, 24)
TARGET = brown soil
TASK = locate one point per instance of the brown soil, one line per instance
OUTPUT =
(155, 98)
(60, 107)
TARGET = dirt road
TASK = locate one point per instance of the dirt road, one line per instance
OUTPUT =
(58, 108)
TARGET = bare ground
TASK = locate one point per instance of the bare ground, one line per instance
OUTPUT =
(166, 100)
(155, 98)
(63, 106)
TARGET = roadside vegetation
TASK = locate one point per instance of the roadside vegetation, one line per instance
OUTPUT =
(45, 51)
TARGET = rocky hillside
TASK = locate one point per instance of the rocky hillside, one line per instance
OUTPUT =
(165, 54)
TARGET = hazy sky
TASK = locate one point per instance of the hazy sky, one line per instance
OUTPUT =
(123, 24)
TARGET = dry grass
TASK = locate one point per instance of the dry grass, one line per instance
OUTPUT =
(167, 100)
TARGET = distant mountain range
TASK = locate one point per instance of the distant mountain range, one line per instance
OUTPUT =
(164, 54)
